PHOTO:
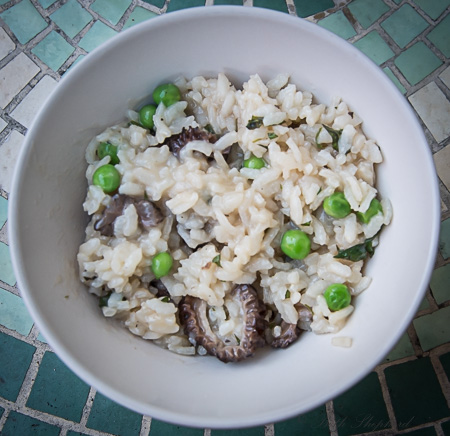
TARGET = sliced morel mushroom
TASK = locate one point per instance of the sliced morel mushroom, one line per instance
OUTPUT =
(289, 334)
(177, 142)
(194, 317)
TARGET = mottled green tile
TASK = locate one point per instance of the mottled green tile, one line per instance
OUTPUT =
(415, 393)
(161, 428)
(368, 11)
(2, 2)
(440, 36)
(440, 284)
(433, 329)
(57, 390)
(111, 10)
(138, 16)
(424, 305)
(3, 211)
(308, 8)
(404, 25)
(228, 2)
(46, 3)
(96, 35)
(109, 417)
(53, 50)
(13, 313)
(15, 359)
(71, 18)
(417, 62)
(402, 349)
(157, 3)
(315, 421)
(253, 431)
(374, 47)
(20, 13)
(6, 269)
(338, 24)
(393, 77)
(276, 5)
(176, 5)
(433, 8)
(361, 409)
(18, 424)
(444, 239)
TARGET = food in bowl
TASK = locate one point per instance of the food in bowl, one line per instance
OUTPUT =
(224, 219)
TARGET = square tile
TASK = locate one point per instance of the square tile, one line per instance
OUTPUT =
(308, 8)
(6, 269)
(444, 235)
(138, 16)
(15, 359)
(415, 393)
(96, 35)
(13, 313)
(53, 50)
(111, 10)
(3, 211)
(442, 163)
(14, 76)
(393, 77)
(439, 36)
(6, 44)
(361, 409)
(440, 284)
(317, 419)
(27, 109)
(162, 428)
(445, 77)
(46, 3)
(277, 5)
(373, 46)
(71, 18)
(416, 62)
(176, 5)
(18, 424)
(338, 24)
(404, 25)
(57, 390)
(253, 431)
(157, 3)
(9, 151)
(24, 12)
(109, 417)
(433, 8)
(402, 349)
(367, 11)
(434, 108)
(433, 329)
(424, 305)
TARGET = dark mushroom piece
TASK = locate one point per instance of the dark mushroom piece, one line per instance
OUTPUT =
(193, 315)
(177, 142)
(289, 334)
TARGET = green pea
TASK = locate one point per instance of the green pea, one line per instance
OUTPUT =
(107, 149)
(146, 116)
(336, 205)
(167, 93)
(161, 264)
(295, 244)
(107, 177)
(337, 296)
(374, 209)
(254, 162)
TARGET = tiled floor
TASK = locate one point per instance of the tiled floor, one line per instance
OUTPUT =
(409, 393)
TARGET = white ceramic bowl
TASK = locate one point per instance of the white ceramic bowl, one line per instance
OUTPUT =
(47, 221)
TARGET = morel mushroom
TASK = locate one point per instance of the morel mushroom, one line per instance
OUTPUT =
(177, 142)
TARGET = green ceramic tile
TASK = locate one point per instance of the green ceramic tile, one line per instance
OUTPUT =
(71, 18)
(2, 2)
(397, 83)
(228, 2)
(361, 409)
(433, 8)
(46, 3)
(417, 62)
(444, 239)
(402, 349)
(13, 313)
(404, 25)
(415, 393)
(15, 359)
(57, 390)
(445, 361)
(433, 329)
(137, 16)
(6, 269)
(308, 8)
(315, 421)
(161, 428)
(439, 36)
(111, 10)
(109, 417)
(18, 424)
(338, 24)
(440, 284)
(277, 5)
(253, 431)
(424, 305)
(374, 47)
(446, 427)
(367, 11)
(426, 431)
(176, 5)
(157, 3)
(3, 211)
(53, 50)
(96, 35)
(24, 12)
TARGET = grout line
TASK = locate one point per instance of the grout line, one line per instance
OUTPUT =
(145, 426)
(332, 424)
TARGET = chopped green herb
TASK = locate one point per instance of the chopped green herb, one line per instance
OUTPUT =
(216, 260)
(103, 301)
(288, 294)
(307, 224)
(357, 252)
(209, 129)
(165, 299)
(255, 122)
(237, 340)
(335, 135)
(272, 135)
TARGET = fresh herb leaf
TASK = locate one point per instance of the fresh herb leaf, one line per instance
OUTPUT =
(272, 135)
(165, 299)
(103, 301)
(255, 122)
(335, 135)
(288, 294)
(307, 224)
(209, 129)
(357, 252)
(237, 340)
(216, 260)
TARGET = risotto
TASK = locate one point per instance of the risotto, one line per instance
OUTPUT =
(225, 219)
